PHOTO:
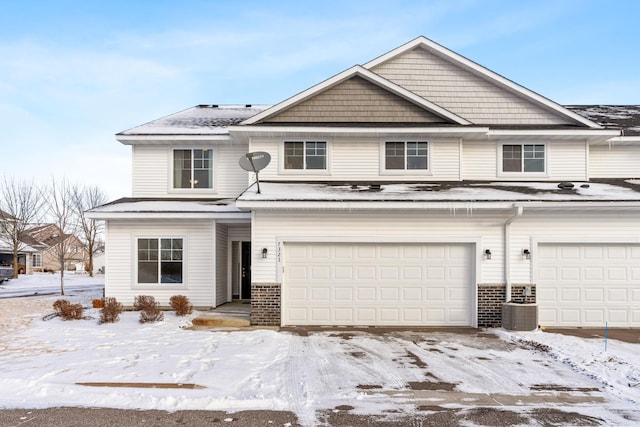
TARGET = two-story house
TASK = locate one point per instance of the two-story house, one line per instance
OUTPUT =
(418, 189)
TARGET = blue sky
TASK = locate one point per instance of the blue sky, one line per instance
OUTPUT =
(74, 73)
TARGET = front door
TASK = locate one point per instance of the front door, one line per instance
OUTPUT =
(245, 278)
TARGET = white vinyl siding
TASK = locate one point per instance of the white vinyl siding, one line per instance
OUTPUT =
(268, 227)
(361, 159)
(616, 161)
(198, 276)
(221, 257)
(463, 92)
(565, 160)
(152, 172)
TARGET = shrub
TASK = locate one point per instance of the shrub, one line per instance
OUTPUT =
(181, 305)
(97, 303)
(111, 310)
(68, 311)
(151, 315)
(142, 302)
(150, 309)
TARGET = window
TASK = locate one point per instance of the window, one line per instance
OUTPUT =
(305, 155)
(406, 155)
(160, 260)
(523, 158)
(193, 168)
(36, 260)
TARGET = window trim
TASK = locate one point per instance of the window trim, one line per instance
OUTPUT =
(281, 163)
(214, 170)
(159, 285)
(420, 172)
(522, 174)
(37, 256)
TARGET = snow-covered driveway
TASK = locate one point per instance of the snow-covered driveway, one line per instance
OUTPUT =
(319, 375)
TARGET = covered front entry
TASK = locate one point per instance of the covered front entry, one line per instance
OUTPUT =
(589, 284)
(383, 284)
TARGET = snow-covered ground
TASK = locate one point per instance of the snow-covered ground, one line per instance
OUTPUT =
(395, 373)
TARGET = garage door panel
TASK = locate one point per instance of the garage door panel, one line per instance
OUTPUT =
(594, 315)
(594, 295)
(343, 315)
(411, 294)
(378, 284)
(389, 273)
(588, 284)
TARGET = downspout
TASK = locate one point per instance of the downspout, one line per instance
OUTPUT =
(507, 247)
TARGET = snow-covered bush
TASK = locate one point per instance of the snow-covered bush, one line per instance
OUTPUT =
(68, 311)
(181, 304)
(150, 309)
(110, 313)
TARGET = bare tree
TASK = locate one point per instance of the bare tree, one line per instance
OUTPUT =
(84, 199)
(61, 210)
(20, 206)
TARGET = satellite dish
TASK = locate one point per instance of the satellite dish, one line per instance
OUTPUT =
(255, 162)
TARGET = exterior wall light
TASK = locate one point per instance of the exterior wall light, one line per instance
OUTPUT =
(487, 254)
(526, 253)
(264, 252)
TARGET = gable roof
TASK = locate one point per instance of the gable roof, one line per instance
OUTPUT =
(209, 120)
(359, 71)
(495, 78)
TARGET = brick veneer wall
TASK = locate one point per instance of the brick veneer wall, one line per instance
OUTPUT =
(518, 294)
(490, 299)
(265, 304)
(492, 296)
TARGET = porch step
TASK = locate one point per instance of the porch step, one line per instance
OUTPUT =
(218, 320)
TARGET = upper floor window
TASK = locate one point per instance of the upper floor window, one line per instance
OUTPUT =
(193, 168)
(160, 260)
(523, 157)
(305, 155)
(406, 155)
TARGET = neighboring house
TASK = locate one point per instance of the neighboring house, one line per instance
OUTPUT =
(420, 189)
(6, 249)
(46, 239)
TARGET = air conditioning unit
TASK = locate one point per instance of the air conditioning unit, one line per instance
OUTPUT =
(519, 317)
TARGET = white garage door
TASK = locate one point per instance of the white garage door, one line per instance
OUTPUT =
(588, 285)
(377, 284)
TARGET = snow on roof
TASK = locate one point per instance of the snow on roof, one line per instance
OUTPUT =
(625, 117)
(446, 192)
(198, 120)
(132, 205)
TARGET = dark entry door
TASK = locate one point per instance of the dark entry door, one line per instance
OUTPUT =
(246, 271)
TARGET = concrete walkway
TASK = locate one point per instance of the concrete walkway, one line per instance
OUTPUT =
(235, 314)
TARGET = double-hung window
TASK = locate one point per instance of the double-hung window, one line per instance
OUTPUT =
(523, 158)
(193, 168)
(36, 261)
(406, 155)
(305, 155)
(160, 260)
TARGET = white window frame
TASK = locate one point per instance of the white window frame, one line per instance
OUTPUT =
(159, 285)
(305, 171)
(192, 190)
(38, 257)
(421, 172)
(522, 174)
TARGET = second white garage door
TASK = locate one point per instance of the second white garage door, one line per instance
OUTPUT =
(377, 284)
(589, 284)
